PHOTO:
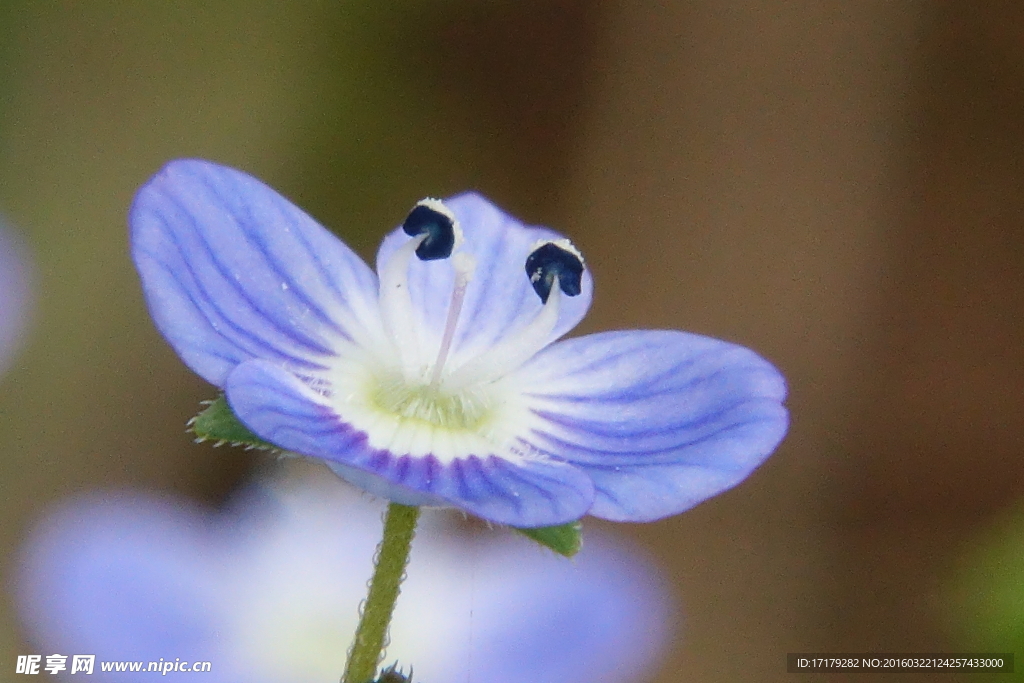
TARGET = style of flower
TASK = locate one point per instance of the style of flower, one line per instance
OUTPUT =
(439, 380)
(266, 592)
(15, 294)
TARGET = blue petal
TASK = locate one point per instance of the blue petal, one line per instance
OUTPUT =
(500, 298)
(95, 580)
(545, 617)
(659, 420)
(232, 270)
(282, 409)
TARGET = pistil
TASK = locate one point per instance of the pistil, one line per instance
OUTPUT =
(464, 265)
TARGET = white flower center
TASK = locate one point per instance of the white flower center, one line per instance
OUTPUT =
(463, 410)
(414, 417)
(410, 397)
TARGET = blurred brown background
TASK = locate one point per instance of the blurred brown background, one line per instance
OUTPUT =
(837, 185)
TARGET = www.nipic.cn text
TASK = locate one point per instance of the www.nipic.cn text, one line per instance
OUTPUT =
(86, 664)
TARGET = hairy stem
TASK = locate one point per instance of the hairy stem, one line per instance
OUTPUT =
(392, 556)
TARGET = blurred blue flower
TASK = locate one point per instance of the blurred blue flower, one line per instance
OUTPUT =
(438, 381)
(15, 293)
(267, 592)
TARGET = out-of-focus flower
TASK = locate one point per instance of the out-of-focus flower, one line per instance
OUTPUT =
(439, 380)
(268, 592)
(15, 293)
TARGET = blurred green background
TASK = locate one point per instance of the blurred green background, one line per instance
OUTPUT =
(837, 185)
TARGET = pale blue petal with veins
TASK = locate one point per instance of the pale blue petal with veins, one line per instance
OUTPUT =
(443, 382)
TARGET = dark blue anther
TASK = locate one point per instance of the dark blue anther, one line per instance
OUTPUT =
(439, 228)
(549, 261)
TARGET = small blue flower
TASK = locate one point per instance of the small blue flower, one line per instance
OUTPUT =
(438, 380)
(267, 592)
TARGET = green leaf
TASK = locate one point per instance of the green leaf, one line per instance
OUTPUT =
(564, 539)
(218, 423)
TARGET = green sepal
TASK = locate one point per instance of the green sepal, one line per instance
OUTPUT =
(218, 423)
(393, 674)
(564, 539)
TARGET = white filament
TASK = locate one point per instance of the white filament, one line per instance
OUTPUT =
(514, 350)
(396, 306)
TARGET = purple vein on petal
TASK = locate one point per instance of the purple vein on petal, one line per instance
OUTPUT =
(258, 242)
(241, 338)
(228, 279)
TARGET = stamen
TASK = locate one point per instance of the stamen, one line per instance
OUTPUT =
(464, 265)
(554, 267)
(513, 351)
(435, 232)
(396, 305)
(432, 218)
(554, 260)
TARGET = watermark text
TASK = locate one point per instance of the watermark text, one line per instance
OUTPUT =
(86, 664)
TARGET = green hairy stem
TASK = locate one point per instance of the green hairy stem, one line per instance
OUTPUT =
(392, 556)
